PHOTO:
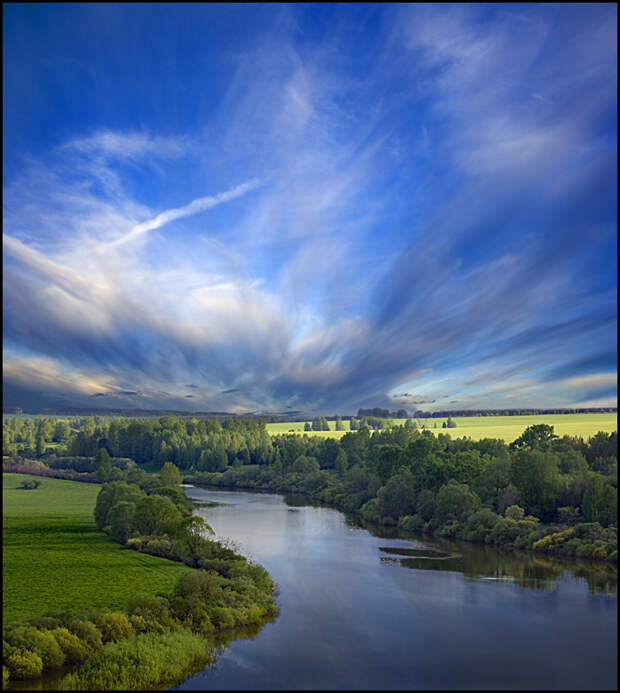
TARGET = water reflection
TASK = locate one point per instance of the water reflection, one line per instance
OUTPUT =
(365, 607)
(482, 562)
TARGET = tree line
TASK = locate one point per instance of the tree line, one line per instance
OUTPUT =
(396, 475)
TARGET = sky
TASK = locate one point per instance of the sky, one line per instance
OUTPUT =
(314, 208)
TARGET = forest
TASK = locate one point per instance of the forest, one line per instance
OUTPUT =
(540, 492)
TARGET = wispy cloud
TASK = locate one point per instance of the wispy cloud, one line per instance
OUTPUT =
(437, 221)
(199, 205)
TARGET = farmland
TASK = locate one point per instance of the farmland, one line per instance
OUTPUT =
(54, 558)
(507, 428)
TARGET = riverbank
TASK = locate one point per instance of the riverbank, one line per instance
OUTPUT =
(363, 611)
(94, 620)
(584, 540)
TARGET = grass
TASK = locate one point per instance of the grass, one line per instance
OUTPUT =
(54, 558)
(507, 428)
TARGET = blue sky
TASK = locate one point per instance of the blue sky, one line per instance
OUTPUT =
(310, 207)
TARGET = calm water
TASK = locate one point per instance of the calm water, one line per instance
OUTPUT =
(359, 611)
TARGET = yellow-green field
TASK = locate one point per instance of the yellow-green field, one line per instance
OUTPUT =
(507, 428)
(54, 558)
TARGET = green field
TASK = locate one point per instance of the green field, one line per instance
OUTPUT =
(54, 557)
(507, 428)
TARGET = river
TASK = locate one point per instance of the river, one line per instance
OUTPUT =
(360, 611)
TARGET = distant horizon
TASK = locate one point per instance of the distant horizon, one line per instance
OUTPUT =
(310, 207)
(101, 411)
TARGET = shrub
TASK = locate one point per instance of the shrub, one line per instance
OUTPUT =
(74, 649)
(5, 676)
(42, 643)
(480, 524)
(88, 633)
(411, 523)
(24, 664)
(114, 627)
(514, 512)
(222, 617)
(30, 484)
(142, 662)
(135, 543)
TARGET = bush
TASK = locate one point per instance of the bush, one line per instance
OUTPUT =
(74, 649)
(154, 611)
(411, 523)
(480, 524)
(88, 633)
(142, 662)
(24, 664)
(30, 484)
(5, 676)
(222, 617)
(114, 627)
(42, 643)
(514, 512)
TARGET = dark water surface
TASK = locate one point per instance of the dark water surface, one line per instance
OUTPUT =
(359, 611)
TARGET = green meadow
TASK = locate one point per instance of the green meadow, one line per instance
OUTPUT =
(507, 428)
(54, 558)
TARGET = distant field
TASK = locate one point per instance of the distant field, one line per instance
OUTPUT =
(507, 428)
(54, 558)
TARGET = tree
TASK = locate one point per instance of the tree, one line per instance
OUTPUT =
(169, 475)
(305, 465)
(121, 520)
(103, 465)
(535, 474)
(156, 515)
(62, 431)
(454, 502)
(397, 497)
(599, 500)
(538, 436)
(339, 424)
(307, 426)
(189, 538)
(111, 494)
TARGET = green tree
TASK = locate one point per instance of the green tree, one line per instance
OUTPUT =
(189, 539)
(539, 436)
(111, 494)
(339, 424)
(103, 465)
(156, 515)
(170, 475)
(536, 476)
(305, 464)
(121, 520)
(599, 500)
(454, 502)
(397, 497)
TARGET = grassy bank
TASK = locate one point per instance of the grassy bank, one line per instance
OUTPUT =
(506, 428)
(54, 558)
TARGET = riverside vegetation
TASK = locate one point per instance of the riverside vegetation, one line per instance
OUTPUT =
(540, 492)
(158, 637)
